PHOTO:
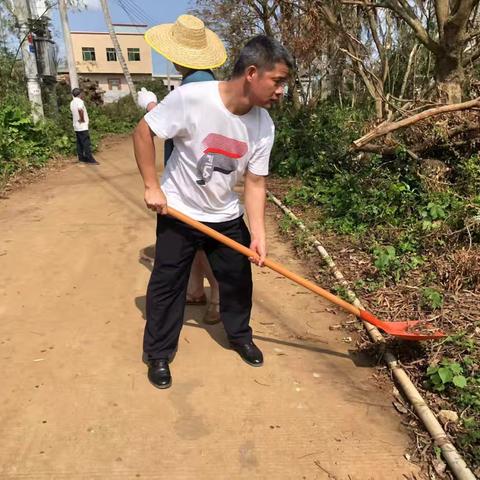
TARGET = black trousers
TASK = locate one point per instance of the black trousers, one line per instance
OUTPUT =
(84, 147)
(167, 289)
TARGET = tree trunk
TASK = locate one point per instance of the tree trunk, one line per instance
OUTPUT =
(293, 94)
(335, 76)
(379, 108)
(449, 73)
(120, 57)
(449, 77)
(411, 58)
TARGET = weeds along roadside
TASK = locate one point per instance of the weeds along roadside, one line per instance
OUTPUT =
(26, 146)
(406, 234)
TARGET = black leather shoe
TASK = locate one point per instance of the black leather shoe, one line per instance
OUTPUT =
(250, 353)
(90, 162)
(159, 373)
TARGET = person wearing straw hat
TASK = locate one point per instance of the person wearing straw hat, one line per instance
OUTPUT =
(222, 133)
(195, 64)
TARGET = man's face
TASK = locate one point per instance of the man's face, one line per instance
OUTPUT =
(267, 86)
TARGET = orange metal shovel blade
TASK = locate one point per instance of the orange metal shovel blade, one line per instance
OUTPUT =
(409, 330)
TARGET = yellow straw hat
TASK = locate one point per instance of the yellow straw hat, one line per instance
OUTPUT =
(187, 43)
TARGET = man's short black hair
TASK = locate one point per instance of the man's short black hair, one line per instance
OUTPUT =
(264, 53)
(76, 92)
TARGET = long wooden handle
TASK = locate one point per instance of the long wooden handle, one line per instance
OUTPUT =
(277, 267)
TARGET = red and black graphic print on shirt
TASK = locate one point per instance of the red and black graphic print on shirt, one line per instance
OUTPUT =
(220, 155)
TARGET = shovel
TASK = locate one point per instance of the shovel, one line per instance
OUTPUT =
(405, 330)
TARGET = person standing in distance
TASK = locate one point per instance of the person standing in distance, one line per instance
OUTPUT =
(80, 125)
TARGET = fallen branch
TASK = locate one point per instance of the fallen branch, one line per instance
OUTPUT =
(383, 150)
(387, 127)
(421, 147)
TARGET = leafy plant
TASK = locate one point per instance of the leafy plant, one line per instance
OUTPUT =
(447, 373)
(469, 175)
(431, 298)
(385, 257)
(285, 223)
(469, 439)
(342, 292)
(463, 343)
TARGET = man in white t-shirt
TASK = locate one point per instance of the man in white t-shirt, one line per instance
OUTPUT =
(80, 125)
(221, 133)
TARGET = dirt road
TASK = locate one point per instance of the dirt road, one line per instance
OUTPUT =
(75, 401)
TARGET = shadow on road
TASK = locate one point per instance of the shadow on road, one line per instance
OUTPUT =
(194, 315)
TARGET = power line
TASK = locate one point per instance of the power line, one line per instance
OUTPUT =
(127, 12)
(140, 13)
(133, 14)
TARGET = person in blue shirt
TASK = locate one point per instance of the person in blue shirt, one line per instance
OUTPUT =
(195, 64)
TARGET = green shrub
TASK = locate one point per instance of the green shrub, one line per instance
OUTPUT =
(312, 140)
(117, 117)
(384, 202)
(469, 175)
(25, 145)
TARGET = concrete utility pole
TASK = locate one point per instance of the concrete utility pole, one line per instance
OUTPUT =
(72, 67)
(22, 12)
(116, 44)
(44, 51)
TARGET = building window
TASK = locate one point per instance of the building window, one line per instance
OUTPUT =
(133, 54)
(114, 84)
(111, 55)
(88, 54)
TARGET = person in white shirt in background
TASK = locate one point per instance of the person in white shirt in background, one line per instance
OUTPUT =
(221, 134)
(80, 125)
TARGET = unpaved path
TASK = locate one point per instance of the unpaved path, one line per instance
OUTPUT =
(75, 401)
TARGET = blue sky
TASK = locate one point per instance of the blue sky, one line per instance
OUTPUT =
(151, 12)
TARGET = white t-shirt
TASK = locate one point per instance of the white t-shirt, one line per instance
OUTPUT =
(75, 105)
(213, 149)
